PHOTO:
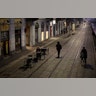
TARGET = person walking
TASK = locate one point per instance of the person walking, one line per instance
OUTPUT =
(83, 55)
(58, 48)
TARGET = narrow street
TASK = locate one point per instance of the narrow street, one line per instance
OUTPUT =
(68, 66)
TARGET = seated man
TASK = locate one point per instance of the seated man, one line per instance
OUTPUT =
(38, 53)
(43, 50)
(29, 60)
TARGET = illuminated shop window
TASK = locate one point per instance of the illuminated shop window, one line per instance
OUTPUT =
(46, 34)
(42, 36)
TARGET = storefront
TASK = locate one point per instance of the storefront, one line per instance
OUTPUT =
(4, 29)
(4, 43)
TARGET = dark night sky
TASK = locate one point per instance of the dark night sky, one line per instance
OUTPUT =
(91, 19)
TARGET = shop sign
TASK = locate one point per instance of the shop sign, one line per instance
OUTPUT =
(4, 24)
(4, 27)
(17, 23)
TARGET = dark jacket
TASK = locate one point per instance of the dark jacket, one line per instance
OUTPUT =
(58, 46)
(83, 53)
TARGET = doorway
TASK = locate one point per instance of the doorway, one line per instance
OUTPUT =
(18, 39)
(4, 43)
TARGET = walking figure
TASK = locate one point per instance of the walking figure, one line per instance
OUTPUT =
(83, 55)
(58, 48)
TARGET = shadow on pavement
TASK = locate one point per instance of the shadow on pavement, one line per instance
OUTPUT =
(59, 57)
(88, 66)
(25, 67)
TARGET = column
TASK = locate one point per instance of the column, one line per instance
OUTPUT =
(12, 36)
(62, 26)
(44, 30)
(52, 30)
(32, 34)
(23, 35)
(55, 29)
(39, 32)
(49, 30)
(58, 28)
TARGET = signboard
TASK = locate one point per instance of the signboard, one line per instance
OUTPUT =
(4, 24)
(4, 27)
(18, 23)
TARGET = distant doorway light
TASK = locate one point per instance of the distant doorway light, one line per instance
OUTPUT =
(54, 21)
(51, 23)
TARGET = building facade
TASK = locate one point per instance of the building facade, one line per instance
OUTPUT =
(17, 33)
(12, 35)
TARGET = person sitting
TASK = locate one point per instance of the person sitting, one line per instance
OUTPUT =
(38, 53)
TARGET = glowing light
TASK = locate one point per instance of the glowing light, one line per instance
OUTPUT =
(42, 36)
(46, 34)
(73, 27)
(50, 23)
(54, 21)
(65, 23)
